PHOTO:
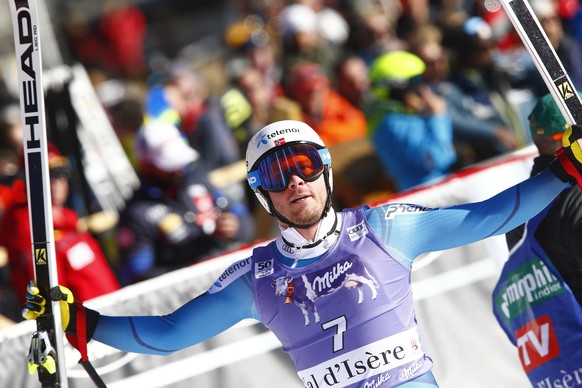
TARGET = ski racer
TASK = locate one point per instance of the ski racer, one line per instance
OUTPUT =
(334, 287)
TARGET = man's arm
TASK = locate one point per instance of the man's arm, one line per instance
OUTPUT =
(194, 322)
(413, 233)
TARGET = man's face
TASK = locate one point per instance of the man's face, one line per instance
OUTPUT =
(59, 188)
(552, 25)
(161, 179)
(301, 202)
(312, 99)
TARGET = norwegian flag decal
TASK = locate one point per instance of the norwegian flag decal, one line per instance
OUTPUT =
(280, 142)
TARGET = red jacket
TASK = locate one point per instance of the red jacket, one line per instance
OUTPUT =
(341, 121)
(81, 264)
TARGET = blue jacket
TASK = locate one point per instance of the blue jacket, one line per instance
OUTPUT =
(413, 149)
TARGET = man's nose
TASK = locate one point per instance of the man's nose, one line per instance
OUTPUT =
(294, 181)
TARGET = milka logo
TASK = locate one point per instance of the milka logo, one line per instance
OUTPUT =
(279, 132)
(528, 285)
(403, 208)
(321, 283)
(408, 373)
(303, 291)
(378, 381)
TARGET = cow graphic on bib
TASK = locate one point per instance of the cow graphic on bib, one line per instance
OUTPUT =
(305, 290)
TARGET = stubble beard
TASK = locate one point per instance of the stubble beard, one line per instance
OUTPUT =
(308, 215)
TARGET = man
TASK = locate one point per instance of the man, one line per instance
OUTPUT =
(181, 98)
(543, 319)
(177, 217)
(568, 48)
(82, 265)
(404, 115)
(334, 287)
(478, 130)
(331, 115)
(351, 79)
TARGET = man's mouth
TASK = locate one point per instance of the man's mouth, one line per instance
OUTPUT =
(299, 199)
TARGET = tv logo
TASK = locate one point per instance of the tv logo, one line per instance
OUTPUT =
(537, 343)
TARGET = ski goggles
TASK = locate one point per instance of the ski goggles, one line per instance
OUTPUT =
(275, 170)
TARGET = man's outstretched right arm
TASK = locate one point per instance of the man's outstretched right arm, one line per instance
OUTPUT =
(196, 321)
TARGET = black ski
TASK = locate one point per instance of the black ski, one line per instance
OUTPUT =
(46, 354)
(545, 58)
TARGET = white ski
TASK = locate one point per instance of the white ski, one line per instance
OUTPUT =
(106, 167)
(46, 353)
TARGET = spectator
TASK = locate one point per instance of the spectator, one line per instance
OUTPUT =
(123, 28)
(415, 13)
(111, 44)
(83, 40)
(373, 28)
(81, 263)
(477, 73)
(126, 116)
(9, 170)
(333, 117)
(351, 79)
(408, 123)
(181, 98)
(569, 50)
(177, 217)
(548, 259)
(253, 40)
(302, 40)
(477, 135)
(12, 184)
(263, 59)
(265, 107)
(11, 129)
(332, 26)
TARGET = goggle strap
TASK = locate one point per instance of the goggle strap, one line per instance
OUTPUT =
(254, 179)
(325, 156)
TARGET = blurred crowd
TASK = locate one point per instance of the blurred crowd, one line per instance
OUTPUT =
(402, 91)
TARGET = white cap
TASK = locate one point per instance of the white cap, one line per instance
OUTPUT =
(543, 8)
(298, 18)
(162, 145)
(333, 26)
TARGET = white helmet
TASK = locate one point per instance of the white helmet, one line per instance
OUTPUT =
(278, 136)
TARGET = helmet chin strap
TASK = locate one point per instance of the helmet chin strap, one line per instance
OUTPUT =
(326, 208)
